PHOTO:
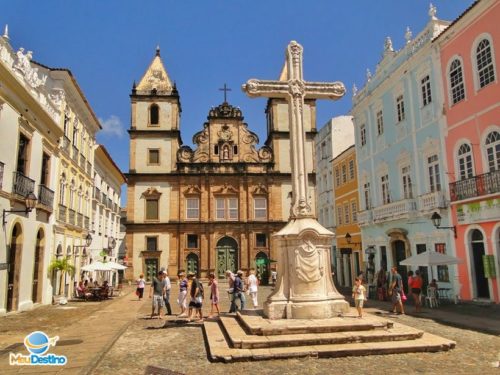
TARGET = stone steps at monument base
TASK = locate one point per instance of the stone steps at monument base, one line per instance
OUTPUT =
(220, 350)
(238, 338)
(257, 325)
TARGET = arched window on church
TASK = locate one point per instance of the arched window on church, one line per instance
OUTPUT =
(154, 114)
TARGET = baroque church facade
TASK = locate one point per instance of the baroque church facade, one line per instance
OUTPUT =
(214, 206)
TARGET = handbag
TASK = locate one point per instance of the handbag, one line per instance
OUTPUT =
(403, 295)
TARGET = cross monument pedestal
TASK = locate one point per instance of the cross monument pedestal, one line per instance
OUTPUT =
(304, 289)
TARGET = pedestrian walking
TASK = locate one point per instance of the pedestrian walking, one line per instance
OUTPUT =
(196, 294)
(252, 287)
(238, 293)
(416, 290)
(157, 291)
(214, 294)
(396, 290)
(168, 286)
(359, 295)
(141, 284)
(181, 300)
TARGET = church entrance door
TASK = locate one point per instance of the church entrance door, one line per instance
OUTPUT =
(227, 256)
(151, 268)
(192, 264)
(262, 268)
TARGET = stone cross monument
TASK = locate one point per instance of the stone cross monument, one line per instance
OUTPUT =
(304, 288)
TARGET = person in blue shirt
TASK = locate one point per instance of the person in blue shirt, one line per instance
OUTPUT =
(238, 293)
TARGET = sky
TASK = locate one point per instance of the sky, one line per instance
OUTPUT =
(107, 44)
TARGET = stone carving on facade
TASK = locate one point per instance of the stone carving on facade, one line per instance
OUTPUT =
(225, 133)
(6, 56)
(432, 12)
(368, 75)
(408, 35)
(308, 263)
(354, 90)
(388, 45)
(192, 190)
(225, 110)
(57, 97)
(227, 189)
(150, 193)
(260, 189)
(234, 141)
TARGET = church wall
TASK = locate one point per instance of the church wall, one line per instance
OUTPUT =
(283, 162)
(164, 203)
(141, 119)
(141, 155)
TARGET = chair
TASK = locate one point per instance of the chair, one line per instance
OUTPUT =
(431, 298)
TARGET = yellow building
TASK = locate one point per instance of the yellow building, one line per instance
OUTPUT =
(74, 176)
(348, 260)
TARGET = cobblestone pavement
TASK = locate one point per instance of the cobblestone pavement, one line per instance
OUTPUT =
(181, 348)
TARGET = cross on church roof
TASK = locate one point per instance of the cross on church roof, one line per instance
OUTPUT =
(225, 89)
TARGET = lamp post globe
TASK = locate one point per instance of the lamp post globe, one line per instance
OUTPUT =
(88, 239)
(30, 201)
(436, 219)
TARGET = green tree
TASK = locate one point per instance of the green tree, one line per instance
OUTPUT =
(62, 265)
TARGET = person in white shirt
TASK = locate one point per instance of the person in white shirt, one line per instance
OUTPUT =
(252, 284)
(166, 297)
(359, 295)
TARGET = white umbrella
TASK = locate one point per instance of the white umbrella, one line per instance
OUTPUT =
(116, 266)
(430, 258)
(97, 266)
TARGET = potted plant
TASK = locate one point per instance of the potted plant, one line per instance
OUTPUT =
(63, 266)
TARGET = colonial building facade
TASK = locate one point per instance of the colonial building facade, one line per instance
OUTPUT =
(106, 211)
(47, 141)
(399, 145)
(29, 133)
(349, 259)
(213, 207)
(469, 50)
(333, 138)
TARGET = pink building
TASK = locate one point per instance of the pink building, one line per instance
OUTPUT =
(470, 55)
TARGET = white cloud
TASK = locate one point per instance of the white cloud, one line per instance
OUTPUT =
(112, 126)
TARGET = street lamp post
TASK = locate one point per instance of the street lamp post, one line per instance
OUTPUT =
(30, 201)
(436, 220)
(88, 241)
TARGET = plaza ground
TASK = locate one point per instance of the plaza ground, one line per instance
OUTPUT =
(117, 337)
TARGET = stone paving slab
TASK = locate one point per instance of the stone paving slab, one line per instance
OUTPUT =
(238, 338)
(92, 337)
(258, 325)
(219, 349)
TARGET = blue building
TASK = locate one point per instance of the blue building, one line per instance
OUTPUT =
(399, 124)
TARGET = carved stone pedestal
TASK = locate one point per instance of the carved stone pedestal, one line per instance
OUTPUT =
(304, 288)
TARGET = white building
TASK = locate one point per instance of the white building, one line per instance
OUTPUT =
(106, 206)
(332, 139)
(29, 133)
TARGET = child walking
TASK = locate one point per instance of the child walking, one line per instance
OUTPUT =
(214, 294)
(358, 293)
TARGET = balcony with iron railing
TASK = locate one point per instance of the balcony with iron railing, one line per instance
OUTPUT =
(394, 210)
(477, 186)
(74, 154)
(79, 220)
(72, 217)
(104, 198)
(61, 213)
(45, 196)
(22, 185)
